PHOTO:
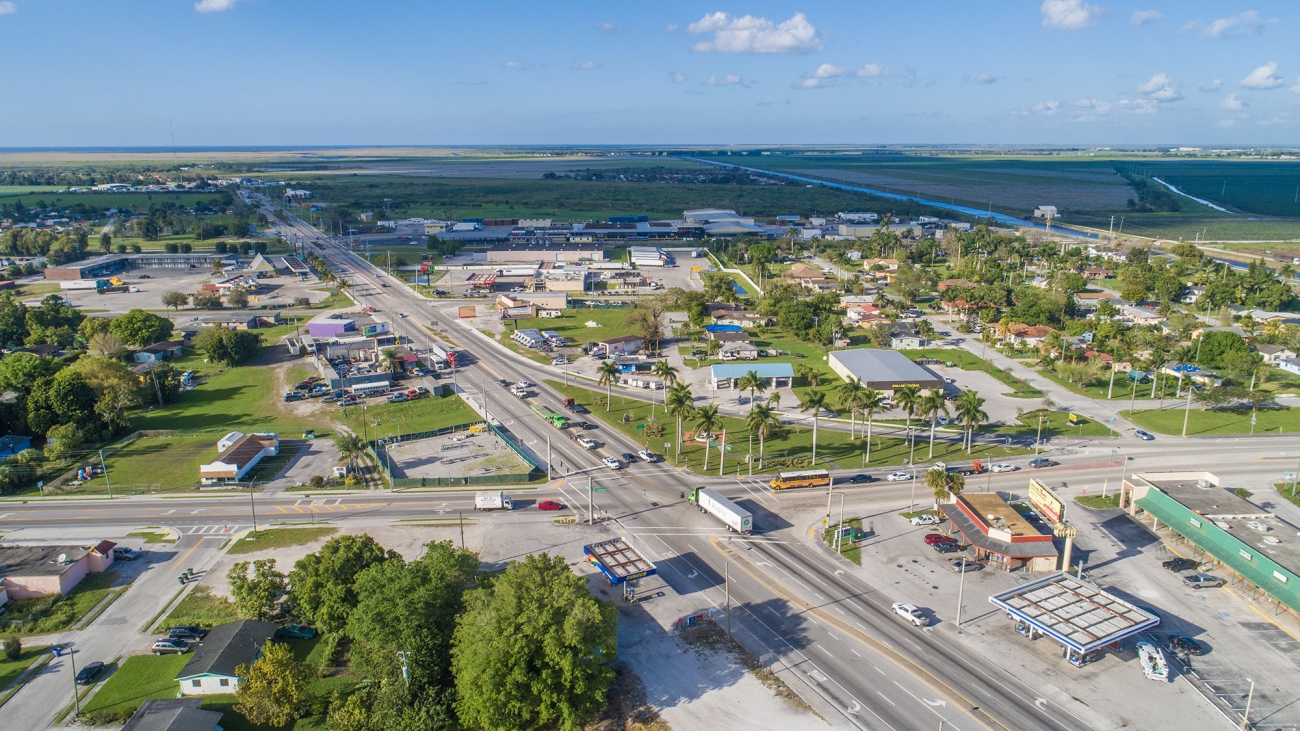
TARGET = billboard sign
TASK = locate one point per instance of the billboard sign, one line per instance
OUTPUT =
(1046, 502)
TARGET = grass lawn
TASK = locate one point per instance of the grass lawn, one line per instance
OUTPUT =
(66, 610)
(848, 549)
(1056, 423)
(1225, 421)
(36, 289)
(970, 362)
(528, 353)
(1097, 502)
(423, 414)
(787, 452)
(154, 463)
(11, 669)
(336, 300)
(278, 538)
(136, 680)
(199, 607)
(572, 324)
(153, 536)
(1124, 387)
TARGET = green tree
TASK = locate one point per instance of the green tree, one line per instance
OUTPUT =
(231, 347)
(709, 422)
(139, 328)
(62, 440)
(237, 298)
(349, 445)
(105, 242)
(534, 650)
(908, 398)
(275, 689)
(933, 405)
(971, 414)
(207, 301)
(323, 582)
(753, 383)
(666, 372)
(679, 401)
(763, 422)
(175, 300)
(608, 373)
(849, 395)
(814, 401)
(13, 648)
(255, 595)
(871, 402)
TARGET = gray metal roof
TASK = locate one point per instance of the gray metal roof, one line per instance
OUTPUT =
(1074, 612)
(872, 365)
(173, 714)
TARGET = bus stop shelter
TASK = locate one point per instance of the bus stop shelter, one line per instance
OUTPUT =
(1083, 618)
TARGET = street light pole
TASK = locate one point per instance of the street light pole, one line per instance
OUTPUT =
(76, 699)
(839, 536)
(105, 468)
(1187, 413)
(911, 503)
(252, 508)
(1245, 717)
(961, 590)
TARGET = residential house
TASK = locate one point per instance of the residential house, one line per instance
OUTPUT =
(886, 265)
(856, 315)
(950, 283)
(1030, 336)
(1108, 253)
(238, 458)
(1192, 294)
(856, 300)
(739, 351)
(801, 271)
(1096, 273)
(211, 670)
(820, 284)
(728, 337)
(1275, 354)
(623, 345)
(905, 336)
(1141, 315)
(12, 444)
(1290, 365)
(173, 714)
(158, 352)
(743, 319)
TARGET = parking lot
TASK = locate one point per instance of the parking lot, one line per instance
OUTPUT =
(272, 291)
(462, 454)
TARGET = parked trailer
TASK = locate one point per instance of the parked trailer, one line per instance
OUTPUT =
(735, 517)
(618, 560)
(558, 421)
(83, 284)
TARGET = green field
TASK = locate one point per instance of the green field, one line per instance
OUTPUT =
(11, 669)
(66, 610)
(201, 608)
(1227, 421)
(1056, 423)
(267, 540)
(969, 362)
(151, 464)
(423, 414)
(572, 325)
(834, 446)
(235, 398)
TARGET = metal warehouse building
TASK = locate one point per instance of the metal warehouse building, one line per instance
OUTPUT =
(883, 370)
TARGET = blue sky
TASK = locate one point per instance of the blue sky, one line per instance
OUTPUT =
(322, 72)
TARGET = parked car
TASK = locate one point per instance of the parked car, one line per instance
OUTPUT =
(549, 505)
(946, 547)
(897, 476)
(1179, 564)
(962, 565)
(646, 455)
(397, 398)
(196, 631)
(925, 519)
(933, 538)
(169, 646)
(88, 673)
(1144, 436)
(1180, 645)
(183, 634)
(612, 463)
(1003, 467)
(858, 479)
(1202, 581)
(294, 396)
(295, 632)
(910, 613)
(123, 553)
(1041, 462)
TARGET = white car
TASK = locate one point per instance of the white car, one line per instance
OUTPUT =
(401, 315)
(910, 613)
(524, 384)
(897, 477)
(612, 463)
(1004, 467)
(647, 456)
(926, 519)
(586, 443)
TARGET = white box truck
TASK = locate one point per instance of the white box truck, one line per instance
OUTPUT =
(492, 501)
(736, 518)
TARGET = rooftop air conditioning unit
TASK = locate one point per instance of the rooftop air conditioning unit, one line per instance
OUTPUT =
(1204, 484)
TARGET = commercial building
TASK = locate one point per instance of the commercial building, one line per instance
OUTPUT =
(240, 320)
(999, 534)
(34, 571)
(726, 375)
(1083, 618)
(883, 370)
(109, 264)
(211, 670)
(558, 253)
(1256, 549)
(239, 454)
(342, 326)
(623, 345)
(173, 714)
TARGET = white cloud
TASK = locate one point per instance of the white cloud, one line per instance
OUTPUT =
(214, 6)
(1069, 14)
(748, 34)
(608, 28)
(1264, 77)
(1045, 109)
(670, 27)
(677, 77)
(1142, 17)
(880, 71)
(984, 78)
(1211, 87)
(519, 66)
(1162, 88)
(8, 8)
(584, 66)
(1089, 109)
(823, 77)
(1295, 89)
(728, 80)
(1246, 23)
(1232, 101)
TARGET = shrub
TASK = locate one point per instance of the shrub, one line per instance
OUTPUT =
(13, 648)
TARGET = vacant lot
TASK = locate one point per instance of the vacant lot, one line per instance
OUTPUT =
(66, 610)
(428, 413)
(1226, 421)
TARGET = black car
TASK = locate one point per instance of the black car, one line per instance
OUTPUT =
(186, 633)
(1041, 462)
(946, 547)
(1180, 645)
(88, 673)
(857, 479)
(1179, 564)
(629, 457)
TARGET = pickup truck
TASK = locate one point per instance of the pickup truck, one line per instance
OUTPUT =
(586, 442)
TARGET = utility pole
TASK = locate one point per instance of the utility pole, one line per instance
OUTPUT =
(961, 590)
(1245, 717)
(839, 536)
(1038, 440)
(76, 699)
(105, 468)
(1187, 413)
(727, 589)
(548, 456)
(252, 508)
(590, 518)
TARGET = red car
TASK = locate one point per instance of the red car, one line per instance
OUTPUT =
(549, 505)
(933, 538)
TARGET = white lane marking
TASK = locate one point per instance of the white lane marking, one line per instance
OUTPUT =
(823, 649)
(855, 652)
(882, 695)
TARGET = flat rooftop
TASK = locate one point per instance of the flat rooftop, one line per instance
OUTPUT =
(987, 504)
(37, 560)
(872, 366)
(1074, 612)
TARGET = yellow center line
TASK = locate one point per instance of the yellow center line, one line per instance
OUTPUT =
(187, 553)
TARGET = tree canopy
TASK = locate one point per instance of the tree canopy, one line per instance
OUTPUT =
(324, 582)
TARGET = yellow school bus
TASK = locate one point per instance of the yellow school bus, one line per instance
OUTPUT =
(801, 478)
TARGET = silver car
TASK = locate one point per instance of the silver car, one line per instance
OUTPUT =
(1202, 581)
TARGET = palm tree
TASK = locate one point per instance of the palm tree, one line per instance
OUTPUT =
(774, 400)
(849, 394)
(708, 421)
(666, 372)
(391, 358)
(813, 401)
(712, 347)
(871, 402)
(350, 445)
(761, 421)
(1183, 354)
(908, 399)
(608, 377)
(811, 375)
(970, 412)
(680, 402)
(753, 383)
(938, 480)
(934, 405)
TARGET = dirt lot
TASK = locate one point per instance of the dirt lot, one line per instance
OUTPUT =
(455, 455)
(271, 290)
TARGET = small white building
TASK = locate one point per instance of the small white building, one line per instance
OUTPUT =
(238, 457)
(211, 669)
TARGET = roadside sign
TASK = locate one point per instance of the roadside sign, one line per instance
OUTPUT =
(667, 446)
(640, 426)
(601, 489)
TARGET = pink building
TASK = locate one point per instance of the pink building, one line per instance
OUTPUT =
(31, 571)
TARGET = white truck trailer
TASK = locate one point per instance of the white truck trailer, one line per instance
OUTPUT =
(492, 501)
(736, 518)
